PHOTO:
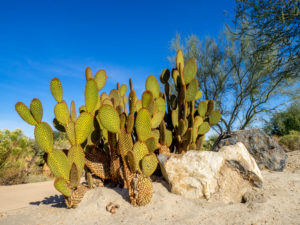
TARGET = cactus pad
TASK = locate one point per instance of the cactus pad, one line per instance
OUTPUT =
(61, 185)
(70, 131)
(83, 127)
(152, 144)
(109, 118)
(132, 101)
(192, 90)
(143, 189)
(157, 118)
(76, 155)
(140, 150)
(59, 164)
(36, 109)
(73, 112)
(44, 136)
(74, 176)
(147, 98)
(214, 117)
(125, 143)
(153, 86)
(88, 73)
(203, 128)
(179, 59)
(143, 124)
(164, 76)
(202, 108)
(132, 162)
(123, 90)
(189, 71)
(161, 104)
(61, 112)
(91, 95)
(25, 113)
(149, 164)
(100, 78)
(56, 89)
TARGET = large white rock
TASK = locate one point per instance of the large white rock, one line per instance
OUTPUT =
(225, 175)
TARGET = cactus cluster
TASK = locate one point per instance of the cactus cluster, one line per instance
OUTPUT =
(116, 141)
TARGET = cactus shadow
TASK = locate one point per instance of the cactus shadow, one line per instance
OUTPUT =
(57, 201)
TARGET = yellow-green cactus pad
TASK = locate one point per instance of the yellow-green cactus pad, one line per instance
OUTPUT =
(175, 118)
(140, 150)
(56, 89)
(202, 108)
(149, 164)
(103, 96)
(25, 113)
(164, 76)
(157, 118)
(153, 86)
(59, 164)
(192, 90)
(189, 71)
(73, 112)
(115, 97)
(210, 106)
(61, 185)
(179, 59)
(44, 136)
(100, 78)
(155, 133)
(214, 117)
(70, 131)
(147, 98)
(107, 101)
(61, 112)
(130, 123)
(132, 162)
(152, 144)
(161, 104)
(91, 95)
(76, 155)
(198, 95)
(200, 142)
(82, 109)
(123, 120)
(88, 73)
(198, 121)
(138, 105)
(74, 176)
(175, 75)
(36, 109)
(168, 138)
(125, 142)
(83, 127)
(181, 127)
(132, 101)
(143, 124)
(123, 90)
(203, 128)
(109, 118)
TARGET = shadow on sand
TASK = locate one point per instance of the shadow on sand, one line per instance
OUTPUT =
(57, 201)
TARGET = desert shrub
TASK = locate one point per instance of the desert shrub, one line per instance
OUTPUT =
(281, 123)
(60, 140)
(291, 140)
(19, 155)
(210, 142)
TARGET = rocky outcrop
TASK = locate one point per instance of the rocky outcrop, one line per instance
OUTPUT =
(225, 175)
(265, 150)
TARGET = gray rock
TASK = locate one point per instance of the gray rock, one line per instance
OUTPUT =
(265, 150)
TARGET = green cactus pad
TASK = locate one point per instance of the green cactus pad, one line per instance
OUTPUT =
(59, 164)
(61, 185)
(36, 109)
(198, 95)
(174, 118)
(132, 162)
(152, 144)
(91, 95)
(100, 78)
(25, 113)
(107, 101)
(149, 164)
(203, 128)
(143, 124)
(168, 138)
(179, 59)
(115, 97)
(192, 90)
(138, 105)
(76, 155)
(155, 133)
(181, 127)
(122, 120)
(198, 121)
(123, 90)
(83, 127)
(44, 136)
(189, 71)
(74, 176)
(152, 108)
(82, 109)
(73, 112)
(214, 117)
(157, 118)
(175, 75)
(70, 131)
(132, 101)
(61, 112)
(210, 106)
(125, 142)
(140, 150)
(202, 108)
(153, 86)
(147, 98)
(88, 73)
(109, 118)
(161, 104)
(130, 123)
(164, 76)
(56, 89)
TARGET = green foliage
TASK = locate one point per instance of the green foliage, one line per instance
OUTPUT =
(291, 140)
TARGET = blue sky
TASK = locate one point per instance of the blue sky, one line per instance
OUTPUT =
(40, 40)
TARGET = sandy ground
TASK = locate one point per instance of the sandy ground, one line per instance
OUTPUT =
(278, 202)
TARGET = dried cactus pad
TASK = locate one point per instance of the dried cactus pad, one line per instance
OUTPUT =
(109, 118)
(189, 70)
(36, 109)
(100, 78)
(144, 189)
(44, 136)
(91, 95)
(25, 113)
(143, 124)
(153, 86)
(61, 185)
(83, 127)
(59, 164)
(56, 89)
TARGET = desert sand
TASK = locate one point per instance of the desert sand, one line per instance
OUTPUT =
(277, 202)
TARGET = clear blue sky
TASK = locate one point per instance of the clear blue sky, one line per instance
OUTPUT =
(40, 40)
